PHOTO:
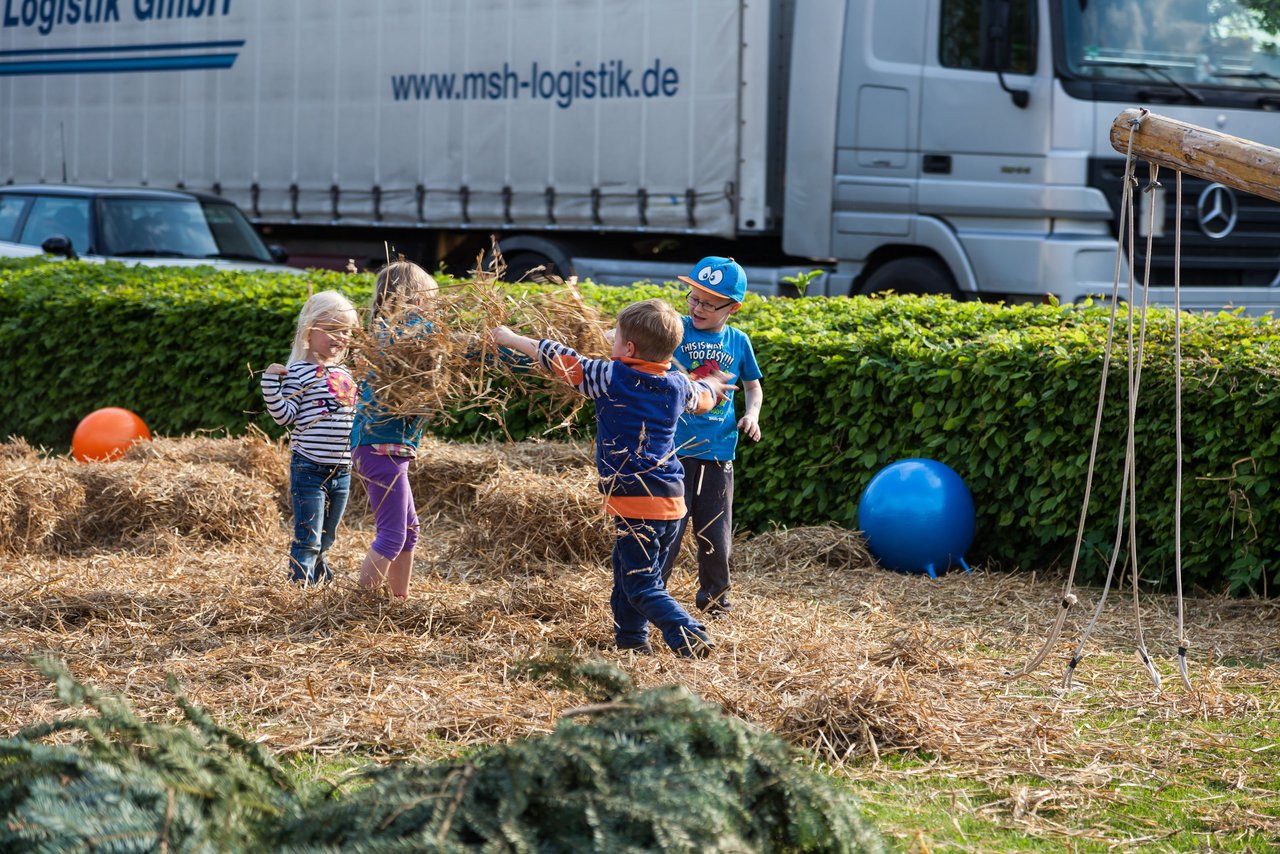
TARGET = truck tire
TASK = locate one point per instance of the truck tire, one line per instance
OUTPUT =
(522, 264)
(912, 275)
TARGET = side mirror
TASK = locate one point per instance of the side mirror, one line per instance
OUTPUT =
(997, 46)
(278, 253)
(59, 244)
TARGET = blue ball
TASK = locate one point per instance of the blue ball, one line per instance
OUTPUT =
(917, 516)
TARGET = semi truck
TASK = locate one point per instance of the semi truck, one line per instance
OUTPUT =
(928, 146)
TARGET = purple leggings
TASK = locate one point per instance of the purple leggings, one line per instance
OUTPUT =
(395, 519)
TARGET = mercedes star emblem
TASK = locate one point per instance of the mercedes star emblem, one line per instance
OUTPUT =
(1216, 211)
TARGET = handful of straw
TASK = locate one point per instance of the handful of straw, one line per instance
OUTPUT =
(436, 359)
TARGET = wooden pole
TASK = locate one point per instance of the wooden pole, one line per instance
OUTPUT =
(1208, 154)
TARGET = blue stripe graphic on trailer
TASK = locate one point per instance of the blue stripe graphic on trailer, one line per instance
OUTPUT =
(124, 48)
(112, 66)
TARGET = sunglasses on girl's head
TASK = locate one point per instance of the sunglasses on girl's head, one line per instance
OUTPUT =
(704, 305)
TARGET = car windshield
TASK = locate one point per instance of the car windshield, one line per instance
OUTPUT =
(177, 228)
(1229, 43)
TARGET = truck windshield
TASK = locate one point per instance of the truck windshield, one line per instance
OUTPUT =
(177, 228)
(1182, 43)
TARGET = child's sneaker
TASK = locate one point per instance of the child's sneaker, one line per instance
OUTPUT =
(638, 649)
(697, 643)
(718, 607)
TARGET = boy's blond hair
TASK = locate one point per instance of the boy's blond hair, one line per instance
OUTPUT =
(654, 327)
(397, 284)
(328, 307)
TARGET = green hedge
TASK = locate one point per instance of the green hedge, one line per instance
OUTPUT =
(1004, 395)
(174, 345)
(1007, 397)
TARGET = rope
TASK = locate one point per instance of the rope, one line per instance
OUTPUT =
(1128, 487)
(1126, 232)
(1128, 498)
(1078, 655)
(1135, 379)
(1068, 598)
(1177, 431)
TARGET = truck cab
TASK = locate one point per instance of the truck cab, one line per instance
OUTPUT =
(971, 155)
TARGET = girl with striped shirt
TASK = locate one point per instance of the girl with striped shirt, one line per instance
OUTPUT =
(316, 397)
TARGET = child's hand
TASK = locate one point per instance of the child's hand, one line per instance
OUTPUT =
(750, 426)
(502, 336)
(275, 369)
(719, 382)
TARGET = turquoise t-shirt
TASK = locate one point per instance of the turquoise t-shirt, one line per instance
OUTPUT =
(713, 435)
(372, 424)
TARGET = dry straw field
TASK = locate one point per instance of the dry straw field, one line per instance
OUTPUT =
(172, 561)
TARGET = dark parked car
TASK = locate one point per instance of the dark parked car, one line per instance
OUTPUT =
(131, 225)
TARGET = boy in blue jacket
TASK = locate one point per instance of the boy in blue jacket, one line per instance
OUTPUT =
(707, 442)
(638, 400)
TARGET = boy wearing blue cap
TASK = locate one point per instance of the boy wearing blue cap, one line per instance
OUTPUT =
(707, 443)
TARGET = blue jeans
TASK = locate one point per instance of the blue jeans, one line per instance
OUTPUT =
(639, 595)
(320, 495)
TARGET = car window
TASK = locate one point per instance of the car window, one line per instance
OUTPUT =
(179, 228)
(11, 208)
(52, 215)
(235, 235)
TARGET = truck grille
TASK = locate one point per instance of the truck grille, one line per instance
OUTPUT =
(1248, 256)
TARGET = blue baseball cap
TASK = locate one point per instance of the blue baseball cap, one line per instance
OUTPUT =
(718, 276)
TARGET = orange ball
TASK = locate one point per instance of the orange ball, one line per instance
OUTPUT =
(106, 434)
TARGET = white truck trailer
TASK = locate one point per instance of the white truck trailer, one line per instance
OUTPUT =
(922, 145)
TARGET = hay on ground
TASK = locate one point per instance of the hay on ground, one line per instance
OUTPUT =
(837, 655)
(447, 476)
(524, 520)
(254, 455)
(17, 448)
(132, 502)
(804, 547)
(37, 498)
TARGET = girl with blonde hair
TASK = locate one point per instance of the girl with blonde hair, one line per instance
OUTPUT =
(315, 396)
(384, 445)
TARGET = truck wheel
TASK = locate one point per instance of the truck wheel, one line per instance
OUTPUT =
(522, 264)
(914, 275)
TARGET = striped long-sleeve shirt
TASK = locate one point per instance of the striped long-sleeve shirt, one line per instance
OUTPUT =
(318, 402)
(637, 406)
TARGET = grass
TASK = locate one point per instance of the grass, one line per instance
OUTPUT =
(925, 807)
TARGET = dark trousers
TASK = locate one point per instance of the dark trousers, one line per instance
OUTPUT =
(708, 494)
(639, 596)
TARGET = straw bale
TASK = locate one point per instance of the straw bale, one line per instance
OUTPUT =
(543, 456)
(37, 497)
(524, 520)
(447, 476)
(17, 448)
(254, 455)
(811, 545)
(130, 501)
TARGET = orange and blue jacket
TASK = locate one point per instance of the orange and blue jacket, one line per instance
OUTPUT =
(637, 406)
